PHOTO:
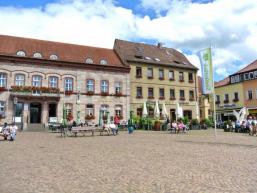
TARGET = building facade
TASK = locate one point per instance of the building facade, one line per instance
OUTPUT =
(39, 78)
(162, 74)
(237, 91)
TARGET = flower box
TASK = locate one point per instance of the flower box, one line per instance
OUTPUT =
(217, 102)
(161, 98)
(226, 101)
(90, 93)
(150, 97)
(191, 99)
(118, 94)
(171, 79)
(191, 81)
(150, 77)
(181, 80)
(68, 92)
(89, 117)
(182, 98)
(139, 76)
(172, 98)
(161, 78)
(139, 97)
(104, 93)
(235, 100)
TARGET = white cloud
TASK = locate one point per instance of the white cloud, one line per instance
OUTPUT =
(229, 26)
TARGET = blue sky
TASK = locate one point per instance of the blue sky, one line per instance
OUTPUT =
(228, 26)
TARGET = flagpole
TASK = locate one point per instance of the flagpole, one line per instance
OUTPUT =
(214, 98)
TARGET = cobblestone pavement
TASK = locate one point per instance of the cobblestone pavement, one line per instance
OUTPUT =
(139, 163)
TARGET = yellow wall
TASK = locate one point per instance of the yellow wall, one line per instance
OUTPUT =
(155, 83)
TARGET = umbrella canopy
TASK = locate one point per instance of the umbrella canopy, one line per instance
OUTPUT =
(145, 110)
(179, 111)
(197, 110)
(156, 110)
(164, 110)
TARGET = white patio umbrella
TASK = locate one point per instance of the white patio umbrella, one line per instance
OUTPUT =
(179, 111)
(145, 110)
(164, 110)
(156, 110)
(197, 110)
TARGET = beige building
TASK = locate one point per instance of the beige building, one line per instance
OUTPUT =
(38, 78)
(159, 73)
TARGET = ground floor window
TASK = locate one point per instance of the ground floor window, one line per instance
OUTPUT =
(188, 114)
(89, 109)
(139, 112)
(118, 110)
(69, 108)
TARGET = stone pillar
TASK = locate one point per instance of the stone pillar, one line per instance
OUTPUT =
(44, 118)
(26, 114)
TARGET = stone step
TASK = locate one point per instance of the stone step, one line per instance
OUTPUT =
(37, 127)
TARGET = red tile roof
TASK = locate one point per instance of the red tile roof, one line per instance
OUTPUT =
(151, 54)
(251, 66)
(222, 82)
(9, 46)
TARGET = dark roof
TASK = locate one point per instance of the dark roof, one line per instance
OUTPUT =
(9, 46)
(223, 82)
(151, 54)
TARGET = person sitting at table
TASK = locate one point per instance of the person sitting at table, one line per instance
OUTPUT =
(181, 126)
(13, 131)
(114, 128)
(5, 131)
(106, 128)
(174, 126)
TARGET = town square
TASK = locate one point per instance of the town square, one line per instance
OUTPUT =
(128, 96)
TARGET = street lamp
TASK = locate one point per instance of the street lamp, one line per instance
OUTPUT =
(15, 101)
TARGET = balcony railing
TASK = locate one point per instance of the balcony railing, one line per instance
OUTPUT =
(35, 91)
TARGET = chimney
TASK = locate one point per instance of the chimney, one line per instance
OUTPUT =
(159, 45)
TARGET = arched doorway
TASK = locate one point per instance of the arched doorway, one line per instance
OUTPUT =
(35, 113)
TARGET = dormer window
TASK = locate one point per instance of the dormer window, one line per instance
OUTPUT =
(103, 62)
(89, 61)
(53, 57)
(37, 55)
(21, 53)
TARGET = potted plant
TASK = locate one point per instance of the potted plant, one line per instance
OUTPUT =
(90, 93)
(157, 125)
(195, 124)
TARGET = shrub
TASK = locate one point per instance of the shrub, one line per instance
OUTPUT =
(208, 122)
(195, 122)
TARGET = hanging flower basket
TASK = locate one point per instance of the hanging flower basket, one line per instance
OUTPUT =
(89, 117)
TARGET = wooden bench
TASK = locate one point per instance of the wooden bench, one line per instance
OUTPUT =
(84, 129)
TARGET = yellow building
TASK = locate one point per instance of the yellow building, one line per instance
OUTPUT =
(159, 73)
(237, 91)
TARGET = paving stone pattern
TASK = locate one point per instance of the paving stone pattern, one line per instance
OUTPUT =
(144, 162)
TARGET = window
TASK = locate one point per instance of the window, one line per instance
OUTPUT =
(104, 109)
(90, 87)
(68, 108)
(246, 76)
(255, 74)
(172, 94)
(191, 95)
(171, 75)
(2, 80)
(37, 81)
(161, 93)
(149, 72)
(249, 94)
(139, 92)
(139, 112)
(181, 76)
(53, 82)
(118, 110)
(237, 78)
(2, 109)
(182, 95)
(232, 79)
(19, 80)
(68, 84)
(251, 75)
(236, 96)
(104, 86)
(37, 55)
(118, 87)
(21, 53)
(89, 61)
(150, 93)
(53, 57)
(217, 98)
(226, 98)
(103, 62)
(138, 72)
(161, 74)
(190, 77)
(89, 109)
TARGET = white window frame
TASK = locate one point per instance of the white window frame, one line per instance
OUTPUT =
(247, 94)
(2, 107)
(53, 82)
(232, 79)
(104, 86)
(89, 61)
(225, 96)
(149, 72)
(171, 74)
(68, 84)
(237, 78)
(90, 110)
(36, 80)
(3, 79)
(37, 55)
(118, 87)
(118, 110)
(255, 74)
(251, 75)
(161, 73)
(19, 80)
(90, 84)
(245, 75)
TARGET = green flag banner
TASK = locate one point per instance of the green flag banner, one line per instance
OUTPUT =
(207, 71)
